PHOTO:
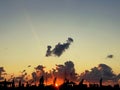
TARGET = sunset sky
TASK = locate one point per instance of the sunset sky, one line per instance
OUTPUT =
(27, 27)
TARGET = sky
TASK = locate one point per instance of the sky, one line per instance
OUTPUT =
(27, 27)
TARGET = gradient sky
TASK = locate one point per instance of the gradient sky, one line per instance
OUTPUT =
(28, 26)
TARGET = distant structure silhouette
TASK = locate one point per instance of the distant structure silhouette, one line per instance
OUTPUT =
(67, 85)
(54, 81)
(20, 83)
(41, 81)
(13, 83)
(101, 82)
(81, 82)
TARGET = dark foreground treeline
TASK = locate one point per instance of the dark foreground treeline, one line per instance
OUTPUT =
(5, 85)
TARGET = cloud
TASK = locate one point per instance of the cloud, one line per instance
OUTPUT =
(110, 56)
(40, 67)
(21, 77)
(23, 71)
(2, 69)
(102, 71)
(1, 78)
(38, 73)
(29, 66)
(61, 72)
(34, 76)
(1, 73)
(59, 48)
(66, 71)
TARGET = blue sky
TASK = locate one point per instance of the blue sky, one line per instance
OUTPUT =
(27, 27)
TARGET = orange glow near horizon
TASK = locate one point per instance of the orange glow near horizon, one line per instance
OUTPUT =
(56, 85)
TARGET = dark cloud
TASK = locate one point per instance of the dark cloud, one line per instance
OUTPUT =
(29, 66)
(40, 67)
(1, 78)
(61, 72)
(110, 56)
(38, 73)
(102, 71)
(66, 71)
(59, 48)
(49, 52)
(118, 76)
(2, 69)
(23, 71)
(1, 73)
(21, 77)
(34, 76)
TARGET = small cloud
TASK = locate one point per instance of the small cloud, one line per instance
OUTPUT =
(23, 71)
(29, 65)
(110, 56)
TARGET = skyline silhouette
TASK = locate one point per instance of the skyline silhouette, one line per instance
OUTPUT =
(69, 85)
